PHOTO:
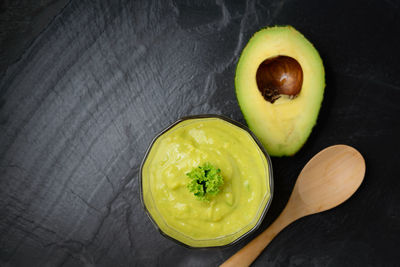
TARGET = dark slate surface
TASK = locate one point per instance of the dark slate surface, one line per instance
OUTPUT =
(82, 101)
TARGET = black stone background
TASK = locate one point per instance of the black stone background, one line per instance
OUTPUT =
(85, 85)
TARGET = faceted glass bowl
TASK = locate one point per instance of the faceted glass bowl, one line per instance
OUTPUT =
(223, 241)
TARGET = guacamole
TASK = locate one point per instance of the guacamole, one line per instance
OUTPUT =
(241, 199)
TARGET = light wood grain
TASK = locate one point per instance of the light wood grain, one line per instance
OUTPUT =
(327, 180)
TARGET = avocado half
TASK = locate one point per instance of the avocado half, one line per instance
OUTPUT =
(280, 81)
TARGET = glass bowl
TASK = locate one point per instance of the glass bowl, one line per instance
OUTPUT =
(167, 229)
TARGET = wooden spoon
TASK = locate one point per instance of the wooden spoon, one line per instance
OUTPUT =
(327, 180)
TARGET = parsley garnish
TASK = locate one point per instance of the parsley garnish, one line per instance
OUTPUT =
(205, 181)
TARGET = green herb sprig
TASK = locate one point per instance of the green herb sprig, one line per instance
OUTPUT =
(205, 181)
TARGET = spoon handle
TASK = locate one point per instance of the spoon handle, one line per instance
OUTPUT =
(250, 252)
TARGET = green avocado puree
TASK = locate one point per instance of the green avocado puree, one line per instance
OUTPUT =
(224, 217)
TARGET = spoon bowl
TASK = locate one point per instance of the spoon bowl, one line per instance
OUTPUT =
(331, 177)
(328, 179)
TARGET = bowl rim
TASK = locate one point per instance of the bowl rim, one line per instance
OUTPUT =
(270, 170)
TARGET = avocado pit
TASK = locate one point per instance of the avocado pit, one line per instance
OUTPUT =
(280, 75)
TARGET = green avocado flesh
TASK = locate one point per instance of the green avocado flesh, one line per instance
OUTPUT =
(283, 124)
